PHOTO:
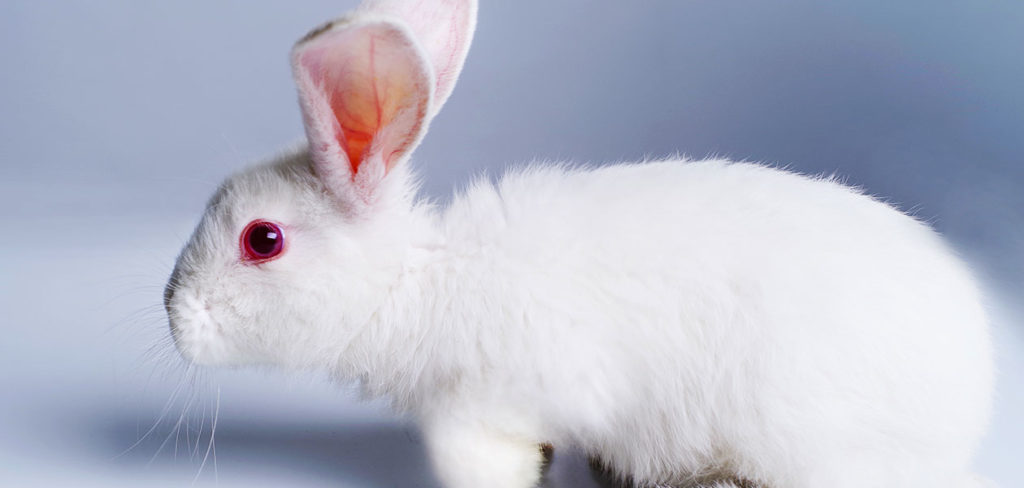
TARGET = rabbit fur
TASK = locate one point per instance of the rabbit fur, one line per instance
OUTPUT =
(687, 323)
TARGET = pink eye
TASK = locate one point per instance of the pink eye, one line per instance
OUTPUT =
(262, 241)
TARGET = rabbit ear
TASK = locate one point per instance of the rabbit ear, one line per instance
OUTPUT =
(365, 90)
(444, 28)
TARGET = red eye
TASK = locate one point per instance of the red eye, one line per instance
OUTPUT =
(262, 241)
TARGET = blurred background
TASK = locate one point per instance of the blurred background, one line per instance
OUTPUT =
(119, 118)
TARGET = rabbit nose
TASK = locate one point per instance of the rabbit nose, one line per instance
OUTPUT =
(172, 286)
(168, 299)
(169, 295)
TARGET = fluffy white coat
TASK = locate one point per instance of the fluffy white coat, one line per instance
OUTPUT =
(683, 322)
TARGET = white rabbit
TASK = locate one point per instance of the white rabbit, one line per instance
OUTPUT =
(686, 323)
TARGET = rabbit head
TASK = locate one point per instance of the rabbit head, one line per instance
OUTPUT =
(292, 258)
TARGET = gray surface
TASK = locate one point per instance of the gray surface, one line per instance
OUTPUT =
(117, 120)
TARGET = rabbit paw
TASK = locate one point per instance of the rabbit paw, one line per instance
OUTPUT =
(471, 457)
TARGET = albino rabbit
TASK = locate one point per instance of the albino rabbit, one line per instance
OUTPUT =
(687, 323)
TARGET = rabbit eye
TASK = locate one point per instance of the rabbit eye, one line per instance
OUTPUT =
(262, 241)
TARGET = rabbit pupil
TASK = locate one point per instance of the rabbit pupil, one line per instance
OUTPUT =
(263, 239)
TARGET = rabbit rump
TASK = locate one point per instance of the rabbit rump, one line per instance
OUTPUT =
(686, 323)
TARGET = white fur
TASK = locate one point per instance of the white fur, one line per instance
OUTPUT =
(684, 322)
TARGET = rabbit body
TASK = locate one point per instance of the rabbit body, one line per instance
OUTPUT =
(685, 323)
(684, 320)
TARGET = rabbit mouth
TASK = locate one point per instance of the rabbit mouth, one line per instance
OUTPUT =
(200, 343)
(197, 335)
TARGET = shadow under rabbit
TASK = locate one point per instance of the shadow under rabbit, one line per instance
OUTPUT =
(364, 454)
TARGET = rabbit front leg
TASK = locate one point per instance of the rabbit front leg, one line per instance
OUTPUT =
(473, 455)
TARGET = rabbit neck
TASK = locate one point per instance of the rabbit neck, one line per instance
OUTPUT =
(388, 347)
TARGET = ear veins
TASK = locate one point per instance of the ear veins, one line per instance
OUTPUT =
(358, 133)
(363, 110)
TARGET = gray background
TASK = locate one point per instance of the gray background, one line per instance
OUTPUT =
(118, 119)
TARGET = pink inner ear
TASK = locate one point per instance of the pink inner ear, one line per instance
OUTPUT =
(443, 27)
(373, 81)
